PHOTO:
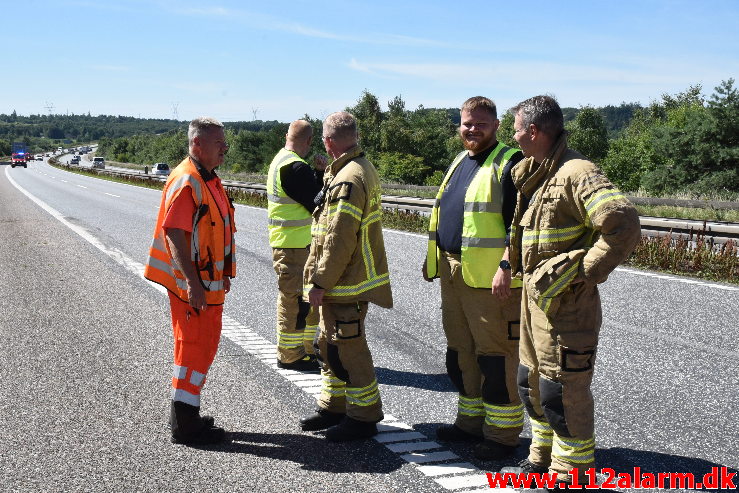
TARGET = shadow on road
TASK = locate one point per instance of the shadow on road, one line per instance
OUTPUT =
(314, 452)
(622, 460)
(439, 381)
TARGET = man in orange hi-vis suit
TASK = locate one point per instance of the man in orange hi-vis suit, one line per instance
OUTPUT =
(192, 255)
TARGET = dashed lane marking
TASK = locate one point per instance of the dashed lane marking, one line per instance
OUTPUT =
(395, 435)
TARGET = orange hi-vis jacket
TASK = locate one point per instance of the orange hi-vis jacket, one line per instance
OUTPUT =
(211, 241)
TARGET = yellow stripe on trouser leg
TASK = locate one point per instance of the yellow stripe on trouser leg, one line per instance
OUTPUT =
(290, 340)
(540, 452)
(363, 396)
(333, 393)
(470, 406)
(503, 416)
(309, 334)
(569, 453)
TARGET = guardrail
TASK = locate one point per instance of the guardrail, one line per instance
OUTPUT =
(716, 232)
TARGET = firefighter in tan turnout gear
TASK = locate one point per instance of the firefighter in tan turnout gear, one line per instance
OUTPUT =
(576, 229)
(292, 186)
(347, 269)
(467, 250)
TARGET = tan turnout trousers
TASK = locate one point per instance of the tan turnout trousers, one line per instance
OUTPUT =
(557, 361)
(349, 381)
(482, 335)
(297, 323)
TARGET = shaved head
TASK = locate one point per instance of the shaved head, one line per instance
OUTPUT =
(299, 130)
(299, 137)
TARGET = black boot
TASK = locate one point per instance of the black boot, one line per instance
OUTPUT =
(188, 427)
(453, 433)
(320, 420)
(351, 429)
(208, 421)
(492, 450)
(307, 363)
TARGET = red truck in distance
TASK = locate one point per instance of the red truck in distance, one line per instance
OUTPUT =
(20, 155)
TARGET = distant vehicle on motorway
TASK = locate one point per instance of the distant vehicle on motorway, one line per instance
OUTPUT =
(98, 162)
(74, 160)
(160, 169)
(19, 155)
(39, 157)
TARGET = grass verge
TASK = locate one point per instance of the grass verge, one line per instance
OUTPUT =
(695, 256)
(689, 213)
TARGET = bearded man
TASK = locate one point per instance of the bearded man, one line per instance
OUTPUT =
(468, 251)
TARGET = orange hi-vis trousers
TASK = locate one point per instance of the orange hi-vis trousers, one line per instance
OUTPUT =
(196, 337)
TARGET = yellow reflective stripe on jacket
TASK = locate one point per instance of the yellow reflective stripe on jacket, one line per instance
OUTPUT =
(373, 279)
(545, 301)
(600, 198)
(503, 416)
(372, 217)
(289, 223)
(552, 235)
(363, 396)
(571, 450)
(358, 288)
(347, 208)
(318, 229)
(470, 406)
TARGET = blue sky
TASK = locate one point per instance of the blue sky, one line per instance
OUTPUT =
(282, 59)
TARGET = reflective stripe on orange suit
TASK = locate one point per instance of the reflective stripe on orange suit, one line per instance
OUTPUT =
(196, 333)
(196, 336)
(211, 239)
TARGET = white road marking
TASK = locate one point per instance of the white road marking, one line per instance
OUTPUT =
(254, 344)
(81, 186)
(65, 181)
(112, 195)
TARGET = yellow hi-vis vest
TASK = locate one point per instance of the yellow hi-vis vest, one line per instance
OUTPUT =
(483, 231)
(288, 221)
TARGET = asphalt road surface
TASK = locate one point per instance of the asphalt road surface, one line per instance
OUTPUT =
(86, 365)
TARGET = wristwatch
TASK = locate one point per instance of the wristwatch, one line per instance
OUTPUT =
(505, 265)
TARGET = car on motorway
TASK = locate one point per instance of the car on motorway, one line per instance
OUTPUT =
(98, 162)
(74, 160)
(160, 169)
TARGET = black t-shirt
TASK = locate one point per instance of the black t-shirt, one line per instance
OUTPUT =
(451, 205)
(301, 183)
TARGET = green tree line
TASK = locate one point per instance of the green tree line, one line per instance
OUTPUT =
(680, 143)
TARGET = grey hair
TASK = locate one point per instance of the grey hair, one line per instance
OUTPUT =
(542, 111)
(341, 126)
(200, 125)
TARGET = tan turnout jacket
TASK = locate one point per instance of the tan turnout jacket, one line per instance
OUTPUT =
(347, 253)
(577, 227)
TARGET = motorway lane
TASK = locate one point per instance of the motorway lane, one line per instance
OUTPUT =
(86, 362)
(667, 371)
